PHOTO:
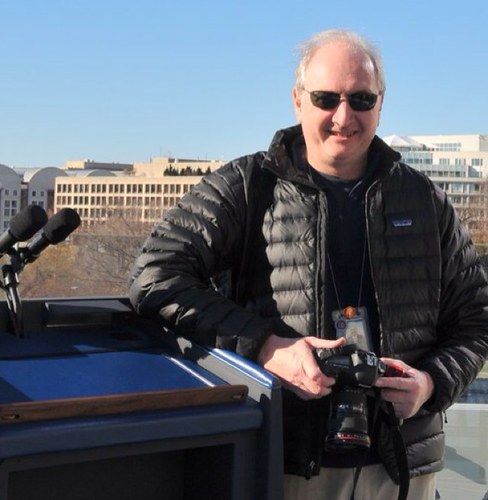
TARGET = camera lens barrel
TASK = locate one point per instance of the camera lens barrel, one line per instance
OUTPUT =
(348, 421)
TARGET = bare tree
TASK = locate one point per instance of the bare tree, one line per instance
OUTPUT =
(108, 251)
(53, 274)
(96, 261)
(475, 216)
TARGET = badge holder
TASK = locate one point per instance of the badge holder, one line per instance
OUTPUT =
(352, 324)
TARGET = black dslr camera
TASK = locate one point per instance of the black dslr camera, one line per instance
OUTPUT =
(355, 371)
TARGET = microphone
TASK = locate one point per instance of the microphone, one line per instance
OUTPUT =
(22, 226)
(57, 229)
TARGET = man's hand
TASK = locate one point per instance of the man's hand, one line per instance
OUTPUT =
(407, 393)
(293, 361)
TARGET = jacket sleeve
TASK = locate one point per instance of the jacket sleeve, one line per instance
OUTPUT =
(197, 239)
(462, 327)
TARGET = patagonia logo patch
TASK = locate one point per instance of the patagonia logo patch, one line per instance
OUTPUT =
(406, 222)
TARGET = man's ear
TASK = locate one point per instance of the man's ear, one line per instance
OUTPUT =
(297, 103)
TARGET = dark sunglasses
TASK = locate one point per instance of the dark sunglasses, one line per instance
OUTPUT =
(359, 101)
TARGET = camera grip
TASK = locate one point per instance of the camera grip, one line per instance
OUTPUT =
(395, 370)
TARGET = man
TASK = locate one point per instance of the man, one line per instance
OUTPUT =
(329, 236)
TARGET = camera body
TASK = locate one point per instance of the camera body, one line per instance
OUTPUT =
(355, 371)
(350, 365)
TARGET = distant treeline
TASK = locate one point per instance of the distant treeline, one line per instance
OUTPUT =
(185, 171)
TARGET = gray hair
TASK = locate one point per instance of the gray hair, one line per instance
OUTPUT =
(308, 48)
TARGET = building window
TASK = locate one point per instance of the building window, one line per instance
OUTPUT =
(448, 146)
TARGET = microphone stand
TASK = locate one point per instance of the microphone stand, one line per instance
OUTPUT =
(56, 230)
(10, 286)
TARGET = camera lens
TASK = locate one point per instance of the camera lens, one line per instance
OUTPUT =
(348, 421)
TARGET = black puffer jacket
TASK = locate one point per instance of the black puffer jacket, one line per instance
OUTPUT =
(262, 223)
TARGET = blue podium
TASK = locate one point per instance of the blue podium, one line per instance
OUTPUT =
(96, 403)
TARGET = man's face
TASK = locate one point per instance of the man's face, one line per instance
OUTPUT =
(337, 140)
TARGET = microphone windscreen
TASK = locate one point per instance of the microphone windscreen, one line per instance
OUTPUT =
(61, 225)
(27, 222)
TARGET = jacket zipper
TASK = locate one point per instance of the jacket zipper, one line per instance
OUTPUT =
(384, 347)
(321, 267)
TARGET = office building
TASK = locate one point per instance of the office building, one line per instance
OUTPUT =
(143, 195)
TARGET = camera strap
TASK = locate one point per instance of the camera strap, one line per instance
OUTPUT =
(356, 477)
(400, 452)
(399, 448)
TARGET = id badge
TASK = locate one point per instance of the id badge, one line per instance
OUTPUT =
(352, 324)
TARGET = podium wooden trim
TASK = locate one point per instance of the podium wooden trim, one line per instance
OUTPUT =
(89, 406)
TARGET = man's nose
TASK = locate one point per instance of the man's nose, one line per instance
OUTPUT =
(343, 113)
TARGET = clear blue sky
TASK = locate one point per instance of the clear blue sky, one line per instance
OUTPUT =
(123, 81)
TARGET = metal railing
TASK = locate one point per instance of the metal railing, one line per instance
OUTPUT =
(465, 474)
